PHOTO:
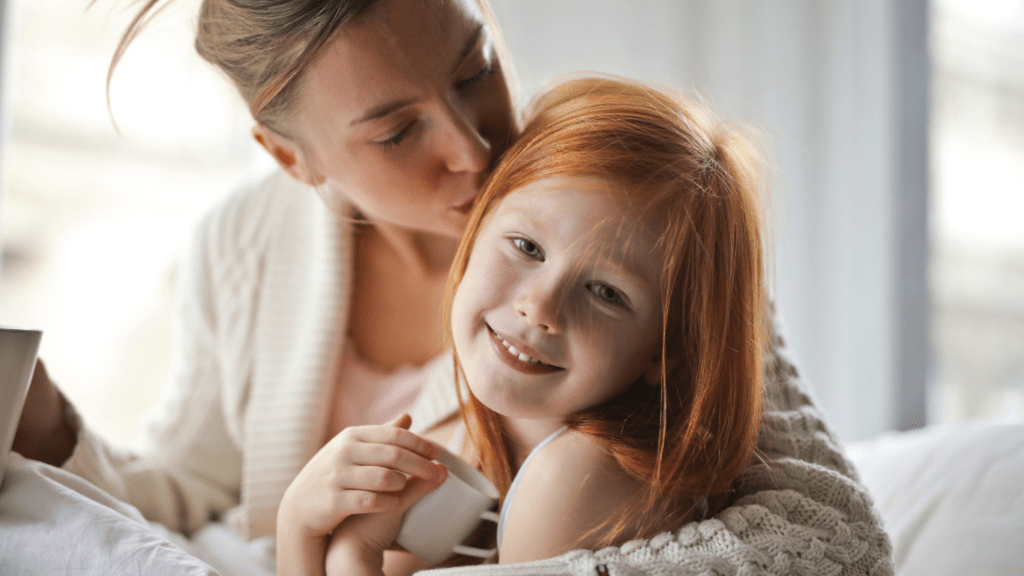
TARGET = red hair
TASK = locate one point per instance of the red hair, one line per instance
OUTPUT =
(697, 183)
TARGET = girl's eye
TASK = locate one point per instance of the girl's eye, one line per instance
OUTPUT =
(529, 248)
(477, 78)
(394, 141)
(606, 293)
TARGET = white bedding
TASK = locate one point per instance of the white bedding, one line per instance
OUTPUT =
(952, 498)
(55, 523)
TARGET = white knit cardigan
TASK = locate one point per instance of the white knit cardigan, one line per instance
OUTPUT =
(263, 307)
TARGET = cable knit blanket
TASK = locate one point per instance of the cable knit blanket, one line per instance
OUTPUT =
(802, 511)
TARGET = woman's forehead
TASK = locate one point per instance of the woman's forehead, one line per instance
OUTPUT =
(395, 52)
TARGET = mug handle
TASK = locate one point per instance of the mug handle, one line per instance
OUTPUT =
(479, 552)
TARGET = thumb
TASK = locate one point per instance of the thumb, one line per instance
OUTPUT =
(417, 488)
(401, 421)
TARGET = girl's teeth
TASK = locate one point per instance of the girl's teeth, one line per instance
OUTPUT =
(522, 356)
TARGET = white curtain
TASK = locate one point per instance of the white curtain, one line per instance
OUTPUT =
(839, 87)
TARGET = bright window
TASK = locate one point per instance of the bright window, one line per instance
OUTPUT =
(93, 220)
(977, 262)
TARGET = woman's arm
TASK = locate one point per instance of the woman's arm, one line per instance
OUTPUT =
(188, 467)
(46, 431)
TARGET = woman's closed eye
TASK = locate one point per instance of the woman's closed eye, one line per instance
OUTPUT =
(528, 248)
(482, 74)
(394, 141)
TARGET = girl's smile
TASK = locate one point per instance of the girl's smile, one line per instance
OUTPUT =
(521, 357)
(559, 308)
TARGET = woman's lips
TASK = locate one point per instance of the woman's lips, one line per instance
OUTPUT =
(516, 359)
(466, 206)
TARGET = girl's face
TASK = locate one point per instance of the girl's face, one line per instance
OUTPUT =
(405, 113)
(554, 315)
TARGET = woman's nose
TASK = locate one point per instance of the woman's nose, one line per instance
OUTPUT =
(540, 305)
(466, 149)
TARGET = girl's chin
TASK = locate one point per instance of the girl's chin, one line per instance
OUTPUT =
(497, 400)
(512, 408)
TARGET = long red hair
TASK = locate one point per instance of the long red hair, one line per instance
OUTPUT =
(696, 182)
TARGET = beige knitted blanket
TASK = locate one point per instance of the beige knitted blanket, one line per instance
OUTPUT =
(802, 511)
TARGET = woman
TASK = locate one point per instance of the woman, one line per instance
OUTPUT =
(301, 318)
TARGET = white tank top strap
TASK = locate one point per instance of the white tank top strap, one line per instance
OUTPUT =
(507, 504)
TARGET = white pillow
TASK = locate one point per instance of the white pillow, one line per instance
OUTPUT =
(951, 496)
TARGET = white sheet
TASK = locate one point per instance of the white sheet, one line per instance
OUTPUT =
(55, 523)
(951, 496)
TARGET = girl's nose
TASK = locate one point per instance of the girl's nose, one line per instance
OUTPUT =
(466, 149)
(541, 307)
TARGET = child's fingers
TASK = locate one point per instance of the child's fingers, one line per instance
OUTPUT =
(394, 436)
(417, 489)
(366, 502)
(395, 458)
(401, 421)
(374, 478)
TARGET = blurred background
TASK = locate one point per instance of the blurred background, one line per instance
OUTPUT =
(895, 128)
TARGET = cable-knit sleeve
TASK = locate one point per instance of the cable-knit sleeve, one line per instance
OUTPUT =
(187, 468)
(801, 509)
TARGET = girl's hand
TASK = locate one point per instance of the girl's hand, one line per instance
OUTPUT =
(357, 545)
(364, 469)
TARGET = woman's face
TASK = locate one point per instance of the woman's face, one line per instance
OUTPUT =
(405, 113)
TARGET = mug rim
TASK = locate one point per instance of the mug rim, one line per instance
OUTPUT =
(466, 472)
(16, 329)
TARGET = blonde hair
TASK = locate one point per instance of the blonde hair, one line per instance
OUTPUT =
(688, 438)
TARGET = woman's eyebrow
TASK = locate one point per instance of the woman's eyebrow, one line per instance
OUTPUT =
(467, 47)
(382, 110)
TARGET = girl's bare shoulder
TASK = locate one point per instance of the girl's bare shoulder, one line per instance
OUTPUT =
(569, 487)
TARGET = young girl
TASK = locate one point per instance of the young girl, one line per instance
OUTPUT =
(606, 308)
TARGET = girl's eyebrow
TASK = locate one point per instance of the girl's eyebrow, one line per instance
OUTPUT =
(617, 265)
(631, 274)
(382, 110)
(527, 213)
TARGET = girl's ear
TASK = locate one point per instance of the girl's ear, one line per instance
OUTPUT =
(652, 374)
(287, 153)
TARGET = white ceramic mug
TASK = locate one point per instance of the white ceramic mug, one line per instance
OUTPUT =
(435, 527)
(18, 349)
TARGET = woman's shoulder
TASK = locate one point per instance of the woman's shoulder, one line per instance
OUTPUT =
(251, 206)
(273, 211)
(569, 487)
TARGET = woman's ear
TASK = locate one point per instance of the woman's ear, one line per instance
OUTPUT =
(287, 153)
